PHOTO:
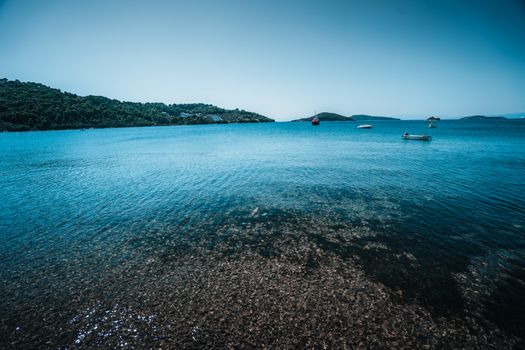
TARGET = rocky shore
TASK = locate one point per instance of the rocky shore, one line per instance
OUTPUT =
(267, 282)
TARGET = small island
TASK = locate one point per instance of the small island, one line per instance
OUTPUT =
(326, 117)
(366, 117)
(28, 106)
(482, 118)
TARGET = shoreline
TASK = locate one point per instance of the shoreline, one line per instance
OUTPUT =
(269, 280)
(132, 126)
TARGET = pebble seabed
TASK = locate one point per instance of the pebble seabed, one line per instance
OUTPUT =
(249, 285)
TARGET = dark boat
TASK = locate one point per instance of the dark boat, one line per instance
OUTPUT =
(315, 121)
(432, 122)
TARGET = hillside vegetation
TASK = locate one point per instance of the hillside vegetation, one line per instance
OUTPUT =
(327, 117)
(32, 106)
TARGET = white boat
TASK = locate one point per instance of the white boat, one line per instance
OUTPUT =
(432, 125)
(407, 136)
(364, 126)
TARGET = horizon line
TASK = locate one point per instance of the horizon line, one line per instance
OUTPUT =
(400, 117)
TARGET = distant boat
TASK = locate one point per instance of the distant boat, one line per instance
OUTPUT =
(407, 136)
(431, 122)
(364, 126)
(315, 121)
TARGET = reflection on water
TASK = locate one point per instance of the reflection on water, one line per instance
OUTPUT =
(263, 234)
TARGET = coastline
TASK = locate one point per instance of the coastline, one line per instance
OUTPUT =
(133, 126)
(272, 279)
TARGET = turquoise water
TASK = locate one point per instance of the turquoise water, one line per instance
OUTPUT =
(447, 216)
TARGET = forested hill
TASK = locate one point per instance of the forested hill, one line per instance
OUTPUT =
(482, 117)
(326, 117)
(32, 106)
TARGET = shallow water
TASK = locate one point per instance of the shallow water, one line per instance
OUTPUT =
(86, 217)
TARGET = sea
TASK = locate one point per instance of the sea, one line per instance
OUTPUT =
(277, 235)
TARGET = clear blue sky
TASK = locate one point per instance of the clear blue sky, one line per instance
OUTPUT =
(281, 58)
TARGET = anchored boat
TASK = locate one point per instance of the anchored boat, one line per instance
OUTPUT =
(315, 121)
(432, 122)
(407, 136)
(364, 126)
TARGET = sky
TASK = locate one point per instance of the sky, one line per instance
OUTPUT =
(281, 58)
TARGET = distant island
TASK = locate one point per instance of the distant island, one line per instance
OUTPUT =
(362, 117)
(334, 117)
(32, 106)
(481, 117)
(326, 117)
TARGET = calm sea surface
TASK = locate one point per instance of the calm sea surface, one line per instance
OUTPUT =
(80, 209)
